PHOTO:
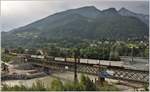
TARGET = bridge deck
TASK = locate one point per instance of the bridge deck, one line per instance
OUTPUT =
(120, 73)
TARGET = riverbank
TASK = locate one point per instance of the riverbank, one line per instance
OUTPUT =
(65, 77)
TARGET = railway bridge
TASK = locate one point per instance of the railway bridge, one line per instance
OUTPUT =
(119, 73)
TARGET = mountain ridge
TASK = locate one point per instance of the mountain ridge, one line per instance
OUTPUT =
(88, 7)
(78, 24)
(142, 17)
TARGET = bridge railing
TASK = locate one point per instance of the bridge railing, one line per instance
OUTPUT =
(119, 72)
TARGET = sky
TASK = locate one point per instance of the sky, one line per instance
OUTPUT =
(15, 13)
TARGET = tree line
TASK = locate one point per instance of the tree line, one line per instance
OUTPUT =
(93, 50)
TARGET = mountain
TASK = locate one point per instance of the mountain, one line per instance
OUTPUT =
(142, 17)
(85, 23)
(110, 12)
(89, 11)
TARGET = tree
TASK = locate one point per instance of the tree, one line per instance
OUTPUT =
(57, 85)
(7, 57)
(6, 51)
(32, 51)
(53, 51)
(114, 54)
(64, 53)
(146, 52)
(73, 87)
(88, 85)
(68, 87)
(146, 87)
(20, 50)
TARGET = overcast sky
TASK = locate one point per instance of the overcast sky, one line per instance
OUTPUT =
(20, 13)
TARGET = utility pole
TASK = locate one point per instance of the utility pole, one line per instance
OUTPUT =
(78, 54)
(75, 66)
(99, 79)
(132, 54)
(75, 70)
(99, 64)
(100, 70)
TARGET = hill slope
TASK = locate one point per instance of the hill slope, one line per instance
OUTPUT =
(142, 17)
(82, 23)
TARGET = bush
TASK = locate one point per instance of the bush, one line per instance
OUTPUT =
(85, 84)
(14, 88)
(38, 86)
(57, 85)
(88, 85)
(146, 87)
(73, 86)
(68, 87)
(108, 88)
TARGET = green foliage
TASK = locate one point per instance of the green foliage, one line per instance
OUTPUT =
(53, 51)
(38, 86)
(32, 51)
(69, 86)
(78, 87)
(88, 85)
(108, 88)
(74, 29)
(85, 84)
(7, 57)
(57, 85)
(146, 87)
(14, 88)
(114, 56)
(20, 50)
(146, 52)
(102, 50)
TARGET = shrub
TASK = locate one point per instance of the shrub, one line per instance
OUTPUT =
(57, 85)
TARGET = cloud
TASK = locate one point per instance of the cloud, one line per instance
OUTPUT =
(20, 13)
